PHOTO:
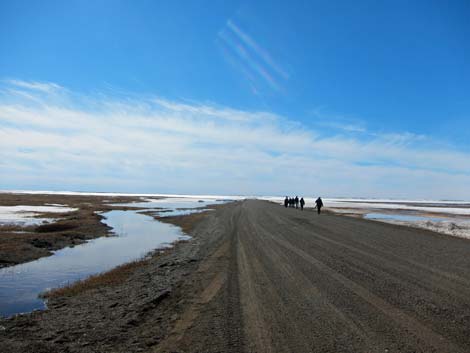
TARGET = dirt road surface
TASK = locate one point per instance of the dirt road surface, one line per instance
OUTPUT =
(258, 277)
(282, 280)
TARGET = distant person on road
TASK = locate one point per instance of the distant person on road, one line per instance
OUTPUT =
(286, 202)
(319, 203)
(302, 203)
(296, 200)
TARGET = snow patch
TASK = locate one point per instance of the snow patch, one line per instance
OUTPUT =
(457, 228)
(26, 215)
(78, 193)
(445, 217)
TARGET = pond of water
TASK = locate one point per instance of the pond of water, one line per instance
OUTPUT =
(137, 234)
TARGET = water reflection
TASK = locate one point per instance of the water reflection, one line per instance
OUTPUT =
(173, 204)
(137, 234)
(173, 213)
(402, 217)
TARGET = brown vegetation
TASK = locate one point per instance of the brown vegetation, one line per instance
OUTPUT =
(119, 274)
(56, 227)
(111, 278)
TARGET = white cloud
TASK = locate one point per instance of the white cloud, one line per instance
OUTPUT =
(46, 87)
(54, 138)
(248, 57)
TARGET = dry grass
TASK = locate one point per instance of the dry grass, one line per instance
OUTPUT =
(111, 278)
(16, 228)
(56, 227)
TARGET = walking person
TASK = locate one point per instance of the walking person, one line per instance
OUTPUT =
(296, 200)
(286, 202)
(319, 203)
(302, 203)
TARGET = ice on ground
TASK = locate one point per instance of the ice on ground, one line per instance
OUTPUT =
(365, 205)
(26, 215)
(398, 201)
(449, 220)
(454, 227)
(78, 193)
(458, 229)
(336, 204)
(445, 217)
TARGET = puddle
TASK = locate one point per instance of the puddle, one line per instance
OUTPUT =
(137, 234)
(177, 212)
(170, 207)
(401, 217)
(173, 203)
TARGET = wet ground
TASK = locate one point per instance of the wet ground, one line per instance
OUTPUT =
(402, 217)
(135, 232)
(136, 235)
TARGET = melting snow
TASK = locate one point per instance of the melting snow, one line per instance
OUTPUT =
(26, 215)
(448, 217)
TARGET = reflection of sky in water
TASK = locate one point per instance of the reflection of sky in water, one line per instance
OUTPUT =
(173, 203)
(172, 213)
(402, 217)
(137, 235)
(169, 207)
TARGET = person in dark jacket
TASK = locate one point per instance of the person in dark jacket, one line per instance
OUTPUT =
(296, 200)
(302, 203)
(319, 203)
(286, 202)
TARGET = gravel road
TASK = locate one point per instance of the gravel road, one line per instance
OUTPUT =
(282, 280)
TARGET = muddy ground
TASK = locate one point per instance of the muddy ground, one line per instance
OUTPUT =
(73, 228)
(257, 277)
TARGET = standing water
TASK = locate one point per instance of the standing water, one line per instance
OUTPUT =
(401, 217)
(137, 234)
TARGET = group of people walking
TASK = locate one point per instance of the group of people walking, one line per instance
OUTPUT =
(295, 201)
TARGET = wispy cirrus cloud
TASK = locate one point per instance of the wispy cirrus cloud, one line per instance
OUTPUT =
(246, 55)
(260, 51)
(46, 87)
(63, 139)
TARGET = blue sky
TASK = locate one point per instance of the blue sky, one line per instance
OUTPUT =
(342, 98)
